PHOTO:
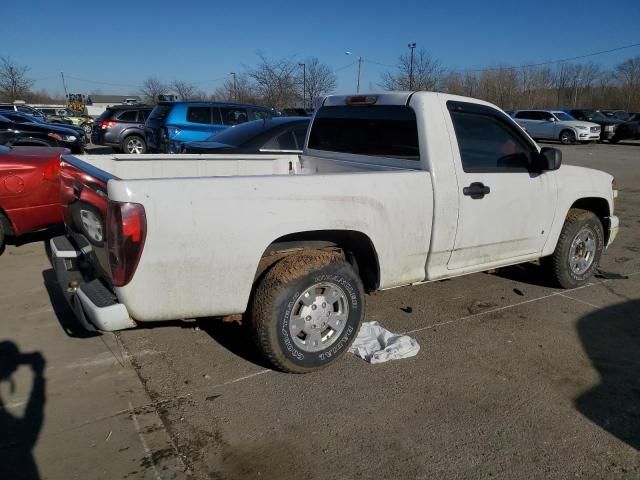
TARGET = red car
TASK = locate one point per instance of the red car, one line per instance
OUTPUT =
(29, 189)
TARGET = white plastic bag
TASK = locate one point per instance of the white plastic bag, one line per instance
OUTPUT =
(375, 344)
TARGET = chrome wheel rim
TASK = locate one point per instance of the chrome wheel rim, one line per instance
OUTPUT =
(582, 251)
(87, 128)
(134, 146)
(319, 316)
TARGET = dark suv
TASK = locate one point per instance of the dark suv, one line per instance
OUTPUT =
(122, 128)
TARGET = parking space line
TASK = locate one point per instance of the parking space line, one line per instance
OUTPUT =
(147, 452)
(506, 307)
(579, 301)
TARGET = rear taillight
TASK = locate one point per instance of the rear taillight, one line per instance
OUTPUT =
(107, 124)
(52, 171)
(126, 234)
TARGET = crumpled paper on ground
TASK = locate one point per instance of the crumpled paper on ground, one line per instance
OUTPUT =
(375, 344)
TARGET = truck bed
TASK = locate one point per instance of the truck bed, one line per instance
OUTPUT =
(154, 166)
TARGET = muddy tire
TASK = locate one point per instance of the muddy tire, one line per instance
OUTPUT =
(578, 251)
(306, 310)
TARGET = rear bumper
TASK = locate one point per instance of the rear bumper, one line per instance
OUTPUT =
(94, 305)
(614, 227)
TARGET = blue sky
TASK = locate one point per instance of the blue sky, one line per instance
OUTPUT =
(123, 42)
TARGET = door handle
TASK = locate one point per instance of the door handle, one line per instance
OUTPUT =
(476, 190)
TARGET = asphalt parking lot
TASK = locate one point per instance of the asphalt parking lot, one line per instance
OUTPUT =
(514, 379)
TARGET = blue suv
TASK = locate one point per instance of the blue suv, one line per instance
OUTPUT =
(171, 124)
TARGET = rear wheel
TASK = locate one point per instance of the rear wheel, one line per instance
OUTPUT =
(307, 310)
(578, 250)
(134, 144)
(87, 128)
(567, 137)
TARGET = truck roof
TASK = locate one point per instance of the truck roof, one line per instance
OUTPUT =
(395, 98)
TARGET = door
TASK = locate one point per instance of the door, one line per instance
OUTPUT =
(505, 209)
(548, 126)
(531, 121)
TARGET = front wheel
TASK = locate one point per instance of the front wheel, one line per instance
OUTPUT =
(578, 250)
(307, 310)
(87, 128)
(567, 137)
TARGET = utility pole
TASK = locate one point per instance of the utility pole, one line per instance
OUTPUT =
(304, 84)
(411, 46)
(360, 60)
(575, 95)
(64, 85)
(235, 87)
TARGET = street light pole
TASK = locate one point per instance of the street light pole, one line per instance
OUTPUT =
(411, 46)
(235, 87)
(304, 84)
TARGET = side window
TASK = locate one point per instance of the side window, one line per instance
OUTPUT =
(301, 134)
(25, 110)
(527, 115)
(284, 141)
(143, 115)
(233, 116)
(128, 116)
(199, 115)
(488, 144)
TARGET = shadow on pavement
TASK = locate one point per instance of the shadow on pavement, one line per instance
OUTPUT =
(39, 236)
(63, 312)
(235, 337)
(531, 273)
(18, 435)
(611, 339)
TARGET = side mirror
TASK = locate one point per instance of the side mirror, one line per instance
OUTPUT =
(551, 119)
(549, 158)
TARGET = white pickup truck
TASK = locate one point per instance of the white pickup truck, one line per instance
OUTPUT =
(392, 189)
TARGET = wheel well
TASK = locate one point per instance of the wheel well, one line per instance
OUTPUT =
(600, 207)
(6, 223)
(357, 247)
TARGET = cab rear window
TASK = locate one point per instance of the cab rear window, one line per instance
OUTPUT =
(381, 131)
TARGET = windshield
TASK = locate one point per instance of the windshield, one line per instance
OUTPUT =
(563, 116)
(594, 115)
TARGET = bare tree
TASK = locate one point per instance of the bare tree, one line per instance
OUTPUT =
(428, 73)
(14, 82)
(320, 80)
(152, 87)
(184, 90)
(276, 81)
(240, 91)
(628, 73)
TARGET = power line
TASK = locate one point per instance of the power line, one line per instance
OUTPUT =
(550, 62)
